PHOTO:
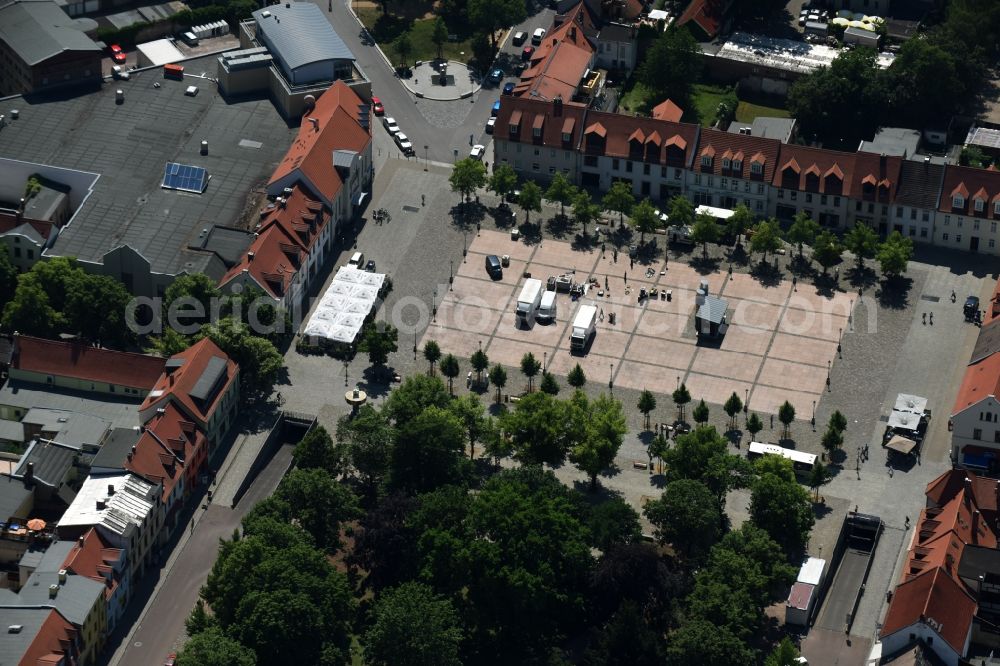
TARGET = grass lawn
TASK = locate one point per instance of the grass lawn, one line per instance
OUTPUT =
(386, 28)
(746, 112)
(635, 99)
(705, 98)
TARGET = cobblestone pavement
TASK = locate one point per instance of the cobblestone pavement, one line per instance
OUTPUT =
(888, 351)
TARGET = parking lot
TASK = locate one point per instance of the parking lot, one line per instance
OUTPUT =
(780, 343)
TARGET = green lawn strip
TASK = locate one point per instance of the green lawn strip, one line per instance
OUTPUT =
(387, 28)
(746, 112)
(705, 99)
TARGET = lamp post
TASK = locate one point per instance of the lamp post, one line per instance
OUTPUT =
(611, 378)
(451, 273)
(345, 371)
(828, 374)
(840, 335)
(850, 314)
(414, 344)
(746, 401)
(678, 387)
(434, 305)
(544, 360)
(426, 161)
(814, 416)
(465, 239)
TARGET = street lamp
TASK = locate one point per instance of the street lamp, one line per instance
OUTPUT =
(465, 239)
(840, 335)
(814, 416)
(827, 374)
(414, 344)
(434, 305)
(426, 161)
(746, 401)
(611, 378)
(451, 272)
(544, 357)
(345, 371)
(678, 382)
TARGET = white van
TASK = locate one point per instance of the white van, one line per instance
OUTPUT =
(547, 308)
(357, 260)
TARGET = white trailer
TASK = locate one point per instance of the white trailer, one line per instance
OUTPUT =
(861, 36)
(547, 308)
(584, 327)
(528, 302)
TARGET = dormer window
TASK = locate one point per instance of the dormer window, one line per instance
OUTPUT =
(515, 129)
(958, 201)
(536, 132)
(566, 137)
(756, 168)
(996, 207)
(737, 165)
(726, 163)
(706, 160)
(980, 205)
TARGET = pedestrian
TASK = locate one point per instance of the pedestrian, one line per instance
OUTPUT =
(603, 248)
(890, 471)
(772, 421)
(423, 200)
(924, 318)
(606, 287)
(614, 255)
(932, 319)
(906, 523)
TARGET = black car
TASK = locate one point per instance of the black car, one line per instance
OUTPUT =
(370, 266)
(493, 267)
(971, 308)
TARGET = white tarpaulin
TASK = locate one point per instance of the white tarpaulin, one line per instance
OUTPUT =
(910, 403)
(342, 310)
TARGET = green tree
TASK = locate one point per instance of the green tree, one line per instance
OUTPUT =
(167, 344)
(818, 477)
(259, 360)
(739, 221)
(549, 384)
(318, 504)
(378, 341)
(491, 16)
(403, 48)
(585, 211)
(368, 437)
(542, 429)
(705, 231)
(681, 211)
(832, 440)
(647, 403)
(973, 156)
(732, 407)
(786, 414)
(785, 654)
(703, 455)
(766, 237)
(602, 437)
(385, 546)
(612, 523)
(894, 254)
(530, 199)
(199, 620)
(212, 647)
(700, 413)
(645, 218)
(803, 230)
(530, 367)
(498, 376)
(8, 278)
(754, 425)
(625, 640)
(503, 181)
(440, 35)
(862, 242)
(672, 64)
(450, 369)
(658, 449)
(191, 299)
(923, 84)
(416, 394)
(827, 250)
(681, 398)
(413, 626)
(432, 352)
(619, 199)
(467, 176)
(838, 421)
(471, 413)
(561, 191)
(428, 452)
(317, 450)
(782, 509)
(699, 641)
(95, 309)
(576, 377)
(479, 361)
(688, 516)
(30, 312)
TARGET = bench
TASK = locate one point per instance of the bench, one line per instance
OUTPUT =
(640, 464)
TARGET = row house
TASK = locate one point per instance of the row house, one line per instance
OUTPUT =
(319, 187)
(539, 139)
(969, 209)
(733, 169)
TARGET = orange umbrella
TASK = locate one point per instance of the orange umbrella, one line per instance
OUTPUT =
(36, 524)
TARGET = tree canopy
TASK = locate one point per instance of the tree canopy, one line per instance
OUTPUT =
(687, 515)
(672, 64)
(413, 626)
(467, 176)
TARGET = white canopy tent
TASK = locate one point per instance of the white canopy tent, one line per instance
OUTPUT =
(345, 305)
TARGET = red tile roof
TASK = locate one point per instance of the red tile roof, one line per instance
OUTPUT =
(706, 14)
(176, 386)
(558, 120)
(556, 72)
(985, 491)
(168, 444)
(879, 173)
(667, 110)
(619, 129)
(95, 559)
(53, 642)
(936, 598)
(79, 361)
(10, 221)
(336, 128)
(738, 148)
(982, 183)
(286, 235)
(981, 380)
(833, 173)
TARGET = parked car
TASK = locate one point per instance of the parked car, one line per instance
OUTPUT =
(508, 88)
(477, 151)
(537, 35)
(496, 108)
(527, 52)
(390, 125)
(377, 107)
(404, 143)
(496, 76)
(519, 38)
(493, 267)
(490, 124)
(370, 266)
(116, 53)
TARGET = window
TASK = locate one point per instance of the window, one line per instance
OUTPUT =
(975, 225)
(535, 166)
(857, 206)
(947, 220)
(31, 253)
(590, 160)
(645, 169)
(925, 216)
(871, 208)
(944, 236)
(746, 185)
(992, 243)
(567, 137)
(711, 181)
(958, 238)
(760, 188)
(923, 232)
(836, 202)
(552, 153)
(958, 201)
(913, 230)
(536, 132)
(737, 165)
(781, 194)
(725, 183)
(977, 433)
(980, 205)
(697, 179)
(552, 170)
(794, 195)
(913, 214)
(756, 168)
(993, 227)
(996, 436)
(809, 197)
(663, 172)
(899, 211)
(615, 164)
(17, 253)
(628, 166)
(537, 152)
(726, 163)
(822, 199)
(706, 160)
(996, 207)
(760, 205)
(677, 174)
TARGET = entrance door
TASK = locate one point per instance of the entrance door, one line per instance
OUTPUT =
(974, 244)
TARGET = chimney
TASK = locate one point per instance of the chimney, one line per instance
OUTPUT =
(80, 541)
(53, 591)
(29, 473)
(557, 103)
(62, 576)
(882, 161)
(315, 123)
(111, 489)
(101, 505)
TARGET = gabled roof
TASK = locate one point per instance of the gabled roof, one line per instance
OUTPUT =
(740, 145)
(79, 361)
(310, 157)
(619, 128)
(706, 14)
(961, 180)
(46, 637)
(37, 31)
(988, 340)
(985, 491)
(300, 34)
(828, 162)
(182, 383)
(564, 118)
(936, 599)
(555, 71)
(981, 381)
(667, 110)
(95, 558)
(919, 184)
(166, 447)
(882, 171)
(75, 599)
(37, 230)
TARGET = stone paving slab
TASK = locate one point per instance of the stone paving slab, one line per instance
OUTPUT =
(596, 367)
(500, 243)
(803, 350)
(473, 319)
(745, 287)
(682, 301)
(509, 352)
(607, 343)
(661, 351)
(767, 400)
(792, 376)
(451, 340)
(663, 324)
(807, 298)
(682, 276)
(536, 339)
(721, 363)
(747, 339)
(713, 389)
(812, 324)
(754, 313)
(564, 258)
(495, 295)
(642, 375)
(626, 317)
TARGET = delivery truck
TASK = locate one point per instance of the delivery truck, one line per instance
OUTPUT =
(547, 308)
(528, 302)
(584, 327)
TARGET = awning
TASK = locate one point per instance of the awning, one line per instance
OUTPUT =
(901, 444)
(910, 403)
(360, 200)
(904, 420)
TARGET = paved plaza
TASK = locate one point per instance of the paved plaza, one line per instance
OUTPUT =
(781, 343)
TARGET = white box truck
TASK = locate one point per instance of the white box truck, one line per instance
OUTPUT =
(528, 302)
(584, 327)
(547, 308)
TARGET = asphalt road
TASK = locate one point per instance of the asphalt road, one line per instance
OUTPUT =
(162, 626)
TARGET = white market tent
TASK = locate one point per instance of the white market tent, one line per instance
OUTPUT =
(910, 403)
(158, 52)
(658, 15)
(345, 305)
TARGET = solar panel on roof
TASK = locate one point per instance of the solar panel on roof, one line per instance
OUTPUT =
(184, 177)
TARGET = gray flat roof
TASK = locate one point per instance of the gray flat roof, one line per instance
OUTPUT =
(70, 428)
(25, 395)
(38, 29)
(54, 556)
(116, 448)
(713, 309)
(229, 244)
(210, 376)
(13, 646)
(74, 600)
(52, 461)
(12, 495)
(300, 35)
(129, 143)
